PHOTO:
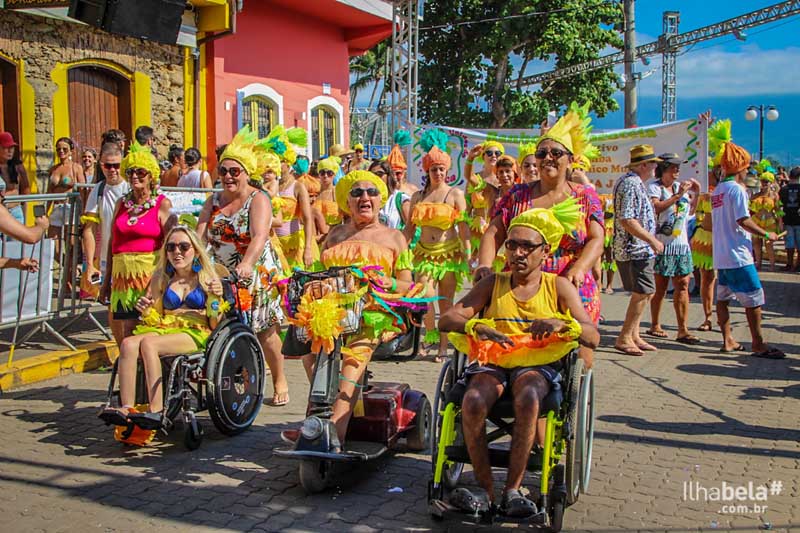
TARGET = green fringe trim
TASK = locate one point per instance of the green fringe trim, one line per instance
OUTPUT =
(416, 238)
(200, 338)
(477, 188)
(705, 262)
(125, 300)
(379, 322)
(437, 271)
(431, 337)
(405, 261)
(609, 265)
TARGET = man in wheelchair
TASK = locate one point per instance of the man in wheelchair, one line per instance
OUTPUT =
(518, 325)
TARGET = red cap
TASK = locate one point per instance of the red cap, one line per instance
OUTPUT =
(6, 140)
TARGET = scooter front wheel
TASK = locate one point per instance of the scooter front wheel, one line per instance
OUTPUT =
(314, 475)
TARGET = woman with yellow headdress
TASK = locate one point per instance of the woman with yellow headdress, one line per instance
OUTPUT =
(578, 251)
(766, 210)
(313, 187)
(441, 255)
(479, 205)
(140, 221)
(236, 224)
(527, 162)
(383, 264)
(326, 199)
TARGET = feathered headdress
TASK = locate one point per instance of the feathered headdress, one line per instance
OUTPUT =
(765, 165)
(402, 138)
(434, 143)
(553, 223)
(141, 157)
(582, 149)
(526, 149)
(719, 133)
(572, 132)
(282, 142)
(242, 149)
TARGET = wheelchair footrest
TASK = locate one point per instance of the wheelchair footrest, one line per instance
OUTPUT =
(498, 458)
(441, 510)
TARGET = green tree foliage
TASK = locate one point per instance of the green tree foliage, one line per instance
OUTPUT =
(470, 73)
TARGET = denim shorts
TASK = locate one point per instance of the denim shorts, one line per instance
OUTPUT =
(792, 237)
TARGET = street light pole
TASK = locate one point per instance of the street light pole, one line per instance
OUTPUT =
(758, 111)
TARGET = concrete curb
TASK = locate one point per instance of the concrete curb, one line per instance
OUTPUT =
(58, 363)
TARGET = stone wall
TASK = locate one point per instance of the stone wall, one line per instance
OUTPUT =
(41, 42)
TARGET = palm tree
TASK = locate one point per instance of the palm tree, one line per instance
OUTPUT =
(369, 69)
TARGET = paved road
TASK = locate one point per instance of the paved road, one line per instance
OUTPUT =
(669, 418)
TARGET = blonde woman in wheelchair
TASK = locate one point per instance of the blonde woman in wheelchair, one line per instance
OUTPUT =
(181, 307)
(529, 321)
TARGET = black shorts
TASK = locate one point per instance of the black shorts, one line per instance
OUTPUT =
(507, 376)
(638, 275)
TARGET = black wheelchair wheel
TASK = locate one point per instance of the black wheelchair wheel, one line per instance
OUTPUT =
(193, 435)
(447, 378)
(418, 438)
(558, 501)
(314, 475)
(575, 441)
(235, 376)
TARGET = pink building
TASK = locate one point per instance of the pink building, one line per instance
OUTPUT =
(287, 63)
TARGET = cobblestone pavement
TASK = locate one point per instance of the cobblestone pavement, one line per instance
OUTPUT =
(680, 415)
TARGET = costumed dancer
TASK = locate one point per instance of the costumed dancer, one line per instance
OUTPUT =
(381, 263)
(140, 220)
(767, 211)
(296, 234)
(326, 200)
(181, 307)
(236, 223)
(608, 266)
(441, 255)
(478, 203)
(313, 187)
(397, 161)
(527, 162)
(578, 251)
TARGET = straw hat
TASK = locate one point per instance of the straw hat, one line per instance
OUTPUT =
(643, 153)
(338, 150)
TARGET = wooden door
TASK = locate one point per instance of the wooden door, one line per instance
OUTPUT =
(99, 100)
(9, 99)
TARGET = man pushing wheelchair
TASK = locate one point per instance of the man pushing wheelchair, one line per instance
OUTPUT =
(516, 328)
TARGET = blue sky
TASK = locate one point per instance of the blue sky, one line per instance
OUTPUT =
(724, 74)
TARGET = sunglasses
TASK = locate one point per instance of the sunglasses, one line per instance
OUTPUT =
(140, 173)
(326, 173)
(182, 246)
(112, 166)
(527, 247)
(62, 149)
(493, 153)
(379, 173)
(233, 171)
(358, 192)
(556, 153)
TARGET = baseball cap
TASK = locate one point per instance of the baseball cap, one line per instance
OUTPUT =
(6, 139)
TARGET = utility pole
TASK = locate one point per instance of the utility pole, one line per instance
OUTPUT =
(631, 104)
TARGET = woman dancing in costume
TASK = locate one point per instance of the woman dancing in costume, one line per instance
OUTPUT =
(441, 255)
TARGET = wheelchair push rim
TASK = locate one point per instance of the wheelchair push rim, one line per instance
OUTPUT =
(235, 376)
(586, 427)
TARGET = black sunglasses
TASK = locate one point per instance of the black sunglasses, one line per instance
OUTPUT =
(326, 172)
(233, 171)
(140, 173)
(110, 166)
(358, 192)
(493, 153)
(182, 246)
(541, 153)
(527, 247)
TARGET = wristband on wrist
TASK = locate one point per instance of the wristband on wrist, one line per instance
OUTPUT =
(469, 161)
(766, 235)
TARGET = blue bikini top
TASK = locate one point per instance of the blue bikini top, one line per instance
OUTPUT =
(194, 300)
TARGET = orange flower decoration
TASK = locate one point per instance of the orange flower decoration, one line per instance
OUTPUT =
(245, 298)
(322, 319)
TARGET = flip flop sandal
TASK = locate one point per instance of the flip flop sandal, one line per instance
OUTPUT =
(112, 417)
(279, 399)
(661, 334)
(148, 421)
(646, 347)
(705, 326)
(739, 348)
(772, 353)
(516, 505)
(632, 350)
(463, 500)
(689, 339)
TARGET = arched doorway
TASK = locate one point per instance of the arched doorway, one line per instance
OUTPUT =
(9, 98)
(324, 130)
(99, 100)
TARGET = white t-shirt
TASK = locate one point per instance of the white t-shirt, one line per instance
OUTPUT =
(192, 179)
(111, 193)
(389, 214)
(676, 215)
(732, 246)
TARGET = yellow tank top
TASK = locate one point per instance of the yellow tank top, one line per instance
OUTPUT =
(437, 215)
(512, 315)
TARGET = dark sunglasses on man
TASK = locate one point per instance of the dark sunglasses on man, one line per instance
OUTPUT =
(556, 153)
(526, 247)
(358, 192)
